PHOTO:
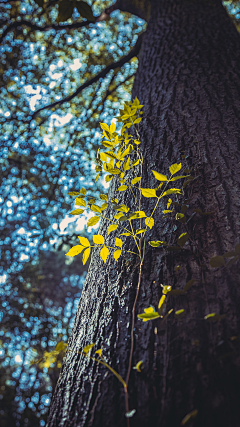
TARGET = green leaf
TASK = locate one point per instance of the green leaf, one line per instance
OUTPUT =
(159, 176)
(86, 254)
(65, 10)
(95, 208)
(112, 227)
(84, 241)
(172, 191)
(122, 188)
(188, 285)
(118, 242)
(149, 314)
(77, 212)
(117, 254)
(156, 243)
(217, 261)
(136, 180)
(73, 193)
(175, 168)
(80, 202)
(98, 239)
(183, 238)
(104, 253)
(93, 221)
(87, 348)
(75, 250)
(189, 417)
(149, 222)
(148, 192)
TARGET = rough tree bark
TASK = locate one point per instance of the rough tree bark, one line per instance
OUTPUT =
(189, 83)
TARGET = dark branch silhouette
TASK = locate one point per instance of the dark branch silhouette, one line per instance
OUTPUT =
(94, 79)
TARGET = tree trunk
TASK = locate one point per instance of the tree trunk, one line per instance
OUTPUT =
(189, 83)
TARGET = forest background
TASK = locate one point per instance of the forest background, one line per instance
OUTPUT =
(45, 57)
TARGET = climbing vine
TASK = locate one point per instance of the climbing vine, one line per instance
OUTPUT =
(121, 159)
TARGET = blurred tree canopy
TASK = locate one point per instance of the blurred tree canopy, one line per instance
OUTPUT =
(65, 66)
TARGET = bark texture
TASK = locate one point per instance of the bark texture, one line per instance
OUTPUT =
(189, 82)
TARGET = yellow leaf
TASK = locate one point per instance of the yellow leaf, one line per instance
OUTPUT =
(104, 253)
(118, 242)
(97, 177)
(117, 254)
(161, 303)
(93, 221)
(149, 222)
(112, 127)
(149, 310)
(112, 228)
(84, 241)
(87, 348)
(159, 176)
(98, 239)
(99, 352)
(137, 142)
(95, 208)
(103, 157)
(77, 212)
(80, 202)
(189, 417)
(139, 366)
(86, 254)
(135, 180)
(126, 165)
(148, 192)
(103, 197)
(75, 250)
(175, 168)
(61, 346)
(136, 162)
(169, 203)
(83, 191)
(122, 188)
(104, 126)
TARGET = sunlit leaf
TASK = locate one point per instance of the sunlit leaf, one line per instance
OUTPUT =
(148, 192)
(112, 227)
(118, 242)
(149, 314)
(156, 244)
(104, 126)
(99, 352)
(98, 239)
(73, 193)
(83, 191)
(61, 346)
(149, 222)
(112, 127)
(80, 202)
(95, 208)
(87, 348)
(180, 313)
(103, 197)
(172, 191)
(161, 303)
(104, 253)
(93, 221)
(159, 176)
(122, 188)
(75, 250)
(77, 212)
(175, 168)
(86, 254)
(117, 254)
(84, 241)
(136, 180)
